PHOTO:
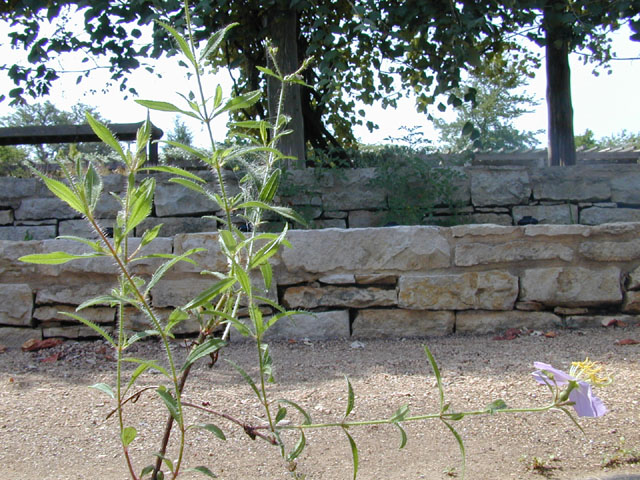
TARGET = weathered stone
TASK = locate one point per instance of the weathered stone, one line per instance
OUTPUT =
(493, 290)
(172, 226)
(353, 191)
(16, 304)
(366, 250)
(596, 321)
(180, 291)
(504, 186)
(6, 217)
(312, 326)
(338, 279)
(479, 322)
(515, 251)
(571, 286)
(24, 233)
(504, 232)
(136, 321)
(107, 207)
(53, 313)
(631, 303)
(625, 188)
(212, 259)
(14, 189)
(366, 218)
(14, 337)
(172, 199)
(571, 183)
(40, 208)
(633, 279)
(557, 230)
(376, 279)
(570, 311)
(335, 214)
(13, 270)
(606, 251)
(491, 219)
(597, 215)
(529, 306)
(556, 214)
(71, 331)
(73, 293)
(397, 323)
(329, 223)
(81, 228)
(329, 296)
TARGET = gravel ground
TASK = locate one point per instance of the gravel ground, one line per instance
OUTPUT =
(53, 427)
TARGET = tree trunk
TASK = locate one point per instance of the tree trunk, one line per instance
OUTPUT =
(562, 149)
(283, 32)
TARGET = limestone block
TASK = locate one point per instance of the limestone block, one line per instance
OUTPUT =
(598, 215)
(353, 191)
(335, 214)
(491, 219)
(529, 306)
(14, 189)
(11, 269)
(570, 311)
(212, 259)
(557, 214)
(6, 217)
(504, 232)
(363, 250)
(557, 230)
(16, 304)
(329, 223)
(597, 321)
(503, 186)
(137, 321)
(41, 208)
(71, 331)
(53, 313)
(175, 225)
(309, 297)
(338, 279)
(312, 326)
(178, 292)
(514, 251)
(633, 279)
(107, 207)
(21, 233)
(607, 251)
(81, 228)
(396, 323)
(570, 183)
(173, 200)
(631, 303)
(14, 337)
(376, 279)
(479, 322)
(571, 286)
(83, 289)
(626, 188)
(493, 290)
(366, 218)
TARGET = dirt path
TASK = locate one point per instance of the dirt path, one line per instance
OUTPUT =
(53, 427)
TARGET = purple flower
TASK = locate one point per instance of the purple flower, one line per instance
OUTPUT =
(586, 404)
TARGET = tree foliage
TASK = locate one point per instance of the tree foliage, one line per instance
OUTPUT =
(622, 139)
(497, 106)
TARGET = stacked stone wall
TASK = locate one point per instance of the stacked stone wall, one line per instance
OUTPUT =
(365, 282)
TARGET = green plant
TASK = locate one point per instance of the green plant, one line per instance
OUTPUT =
(248, 255)
(622, 455)
(541, 466)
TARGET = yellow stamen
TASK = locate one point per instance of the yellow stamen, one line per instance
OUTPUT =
(589, 372)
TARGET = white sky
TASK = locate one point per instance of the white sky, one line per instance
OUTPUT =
(606, 104)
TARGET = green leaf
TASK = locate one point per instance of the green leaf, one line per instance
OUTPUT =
(270, 187)
(217, 100)
(496, 405)
(105, 135)
(95, 245)
(64, 193)
(242, 101)
(210, 427)
(350, 398)
(170, 402)
(403, 435)
(269, 72)
(246, 377)
(92, 187)
(99, 330)
(103, 387)
(243, 279)
(196, 187)
(267, 274)
(215, 41)
(210, 293)
(140, 335)
(307, 417)
(436, 372)
(167, 461)
(267, 362)
(175, 170)
(282, 412)
(142, 202)
(181, 41)
(283, 211)
(128, 435)
(354, 453)
(203, 470)
(467, 129)
(297, 450)
(210, 345)
(162, 269)
(164, 107)
(149, 364)
(56, 258)
(147, 470)
(400, 414)
(460, 445)
(150, 235)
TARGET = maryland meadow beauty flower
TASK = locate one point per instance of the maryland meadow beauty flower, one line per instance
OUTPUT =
(585, 403)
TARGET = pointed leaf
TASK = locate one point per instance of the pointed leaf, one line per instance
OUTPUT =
(267, 274)
(175, 170)
(460, 444)
(210, 345)
(350, 398)
(203, 470)
(64, 193)
(105, 135)
(403, 435)
(150, 235)
(128, 435)
(196, 187)
(269, 72)
(99, 330)
(246, 377)
(242, 101)
(56, 258)
(297, 450)
(436, 372)
(400, 414)
(210, 293)
(354, 453)
(215, 41)
(103, 387)
(307, 417)
(162, 269)
(181, 41)
(496, 405)
(270, 187)
(282, 412)
(210, 427)
(170, 402)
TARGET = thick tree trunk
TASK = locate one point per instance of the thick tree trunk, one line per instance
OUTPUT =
(562, 150)
(283, 32)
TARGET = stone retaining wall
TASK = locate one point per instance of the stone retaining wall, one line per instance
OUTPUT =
(370, 282)
(584, 194)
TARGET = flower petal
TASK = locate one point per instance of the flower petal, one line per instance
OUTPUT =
(559, 377)
(586, 403)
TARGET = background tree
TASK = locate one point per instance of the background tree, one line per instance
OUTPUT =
(497, 105)
(47, 113)
(623, 139)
